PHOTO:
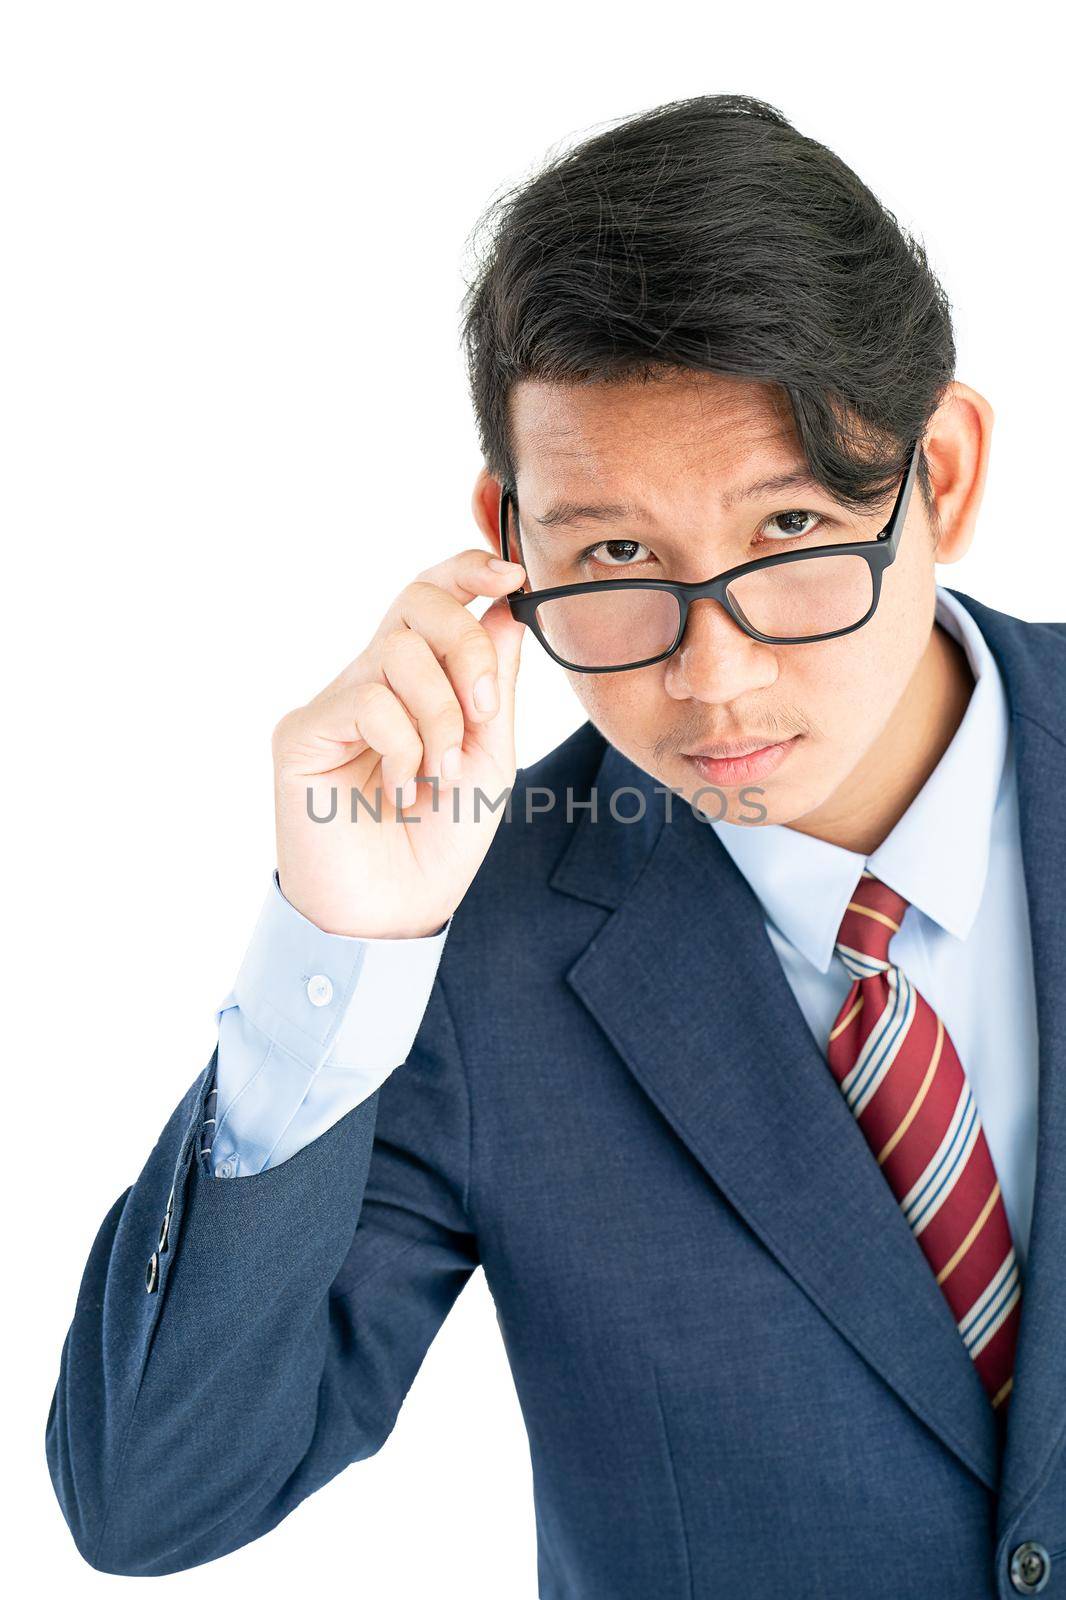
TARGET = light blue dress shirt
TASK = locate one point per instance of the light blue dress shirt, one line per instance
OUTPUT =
(316, 1021)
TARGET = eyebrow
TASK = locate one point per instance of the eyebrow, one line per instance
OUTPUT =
(567, 513)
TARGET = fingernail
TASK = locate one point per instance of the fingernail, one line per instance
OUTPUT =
(485, 692)
(452, 762)
(410, 789)
(504, 566)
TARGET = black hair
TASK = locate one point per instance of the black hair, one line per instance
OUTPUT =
(709, 235)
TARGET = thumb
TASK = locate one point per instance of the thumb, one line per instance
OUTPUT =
(506, 634)
(496, 737)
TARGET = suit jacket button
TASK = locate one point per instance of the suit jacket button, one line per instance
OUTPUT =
(151, 1276)
(164, 1233)
(1030, 1568)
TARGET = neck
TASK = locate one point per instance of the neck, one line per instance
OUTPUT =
(862, 812)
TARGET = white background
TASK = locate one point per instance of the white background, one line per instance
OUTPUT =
(235, 422)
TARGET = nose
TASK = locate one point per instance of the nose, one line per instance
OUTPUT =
(716, 660)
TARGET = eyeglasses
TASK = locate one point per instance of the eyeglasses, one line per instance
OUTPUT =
(797, 597)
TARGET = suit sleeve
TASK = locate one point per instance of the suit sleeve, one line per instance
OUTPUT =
(236, 1345)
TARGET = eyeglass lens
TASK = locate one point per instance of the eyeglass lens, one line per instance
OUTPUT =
(794, 600)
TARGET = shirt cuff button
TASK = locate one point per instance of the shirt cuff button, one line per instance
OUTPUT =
(319, 990)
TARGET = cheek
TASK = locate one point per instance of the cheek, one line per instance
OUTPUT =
(619, 699)
(841, 687)
(850, 686)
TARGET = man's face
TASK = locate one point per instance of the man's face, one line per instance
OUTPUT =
(681, 452)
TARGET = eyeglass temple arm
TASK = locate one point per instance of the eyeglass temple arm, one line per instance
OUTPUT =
(895, 520)
(507, 499)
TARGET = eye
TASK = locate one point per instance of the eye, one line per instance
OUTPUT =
(776, 530)
(620, 552)
(773, 532)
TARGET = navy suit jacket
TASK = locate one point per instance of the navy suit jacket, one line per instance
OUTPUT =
(737, 1372)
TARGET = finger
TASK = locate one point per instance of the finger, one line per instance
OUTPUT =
(388, 728)
(472, 573)
(507, 634)
(423, 687)
(460, 579)
(496, 736)
(460, 644)
(366, 716)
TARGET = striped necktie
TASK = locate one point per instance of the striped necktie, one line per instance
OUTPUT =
(900, 1074)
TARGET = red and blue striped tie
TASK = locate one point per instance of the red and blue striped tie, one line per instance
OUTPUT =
(900, 1074)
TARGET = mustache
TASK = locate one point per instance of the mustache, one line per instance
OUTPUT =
(774, 727)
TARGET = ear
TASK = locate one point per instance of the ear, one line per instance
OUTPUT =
(957, 444)
(486, 504)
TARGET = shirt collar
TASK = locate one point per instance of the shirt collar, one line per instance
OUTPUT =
(937, 854)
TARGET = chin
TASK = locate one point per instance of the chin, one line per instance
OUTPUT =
(756, 804)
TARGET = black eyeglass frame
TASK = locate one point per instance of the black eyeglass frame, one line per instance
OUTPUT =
(879, 554)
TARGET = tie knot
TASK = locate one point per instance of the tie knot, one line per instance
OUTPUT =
(874, 914)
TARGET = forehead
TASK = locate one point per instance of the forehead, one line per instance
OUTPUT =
(677, 432)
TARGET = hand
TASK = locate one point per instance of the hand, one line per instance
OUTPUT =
(432, 695)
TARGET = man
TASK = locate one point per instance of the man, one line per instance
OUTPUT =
(718, 1049)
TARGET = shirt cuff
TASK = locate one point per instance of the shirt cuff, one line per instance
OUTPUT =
(307, 1002)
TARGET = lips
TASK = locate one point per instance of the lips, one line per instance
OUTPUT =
(754, 762)
(738, 747)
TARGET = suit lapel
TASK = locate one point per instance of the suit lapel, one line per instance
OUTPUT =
(685, 983)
